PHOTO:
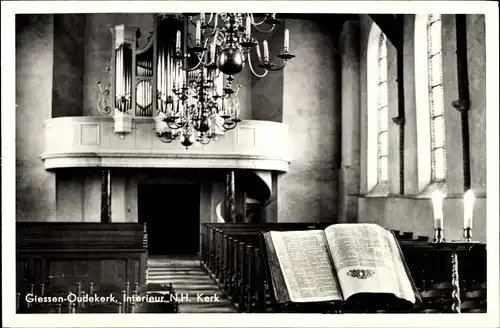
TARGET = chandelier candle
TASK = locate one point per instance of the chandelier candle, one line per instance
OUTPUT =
(198, 33)
(248, 28)
(266, 51)
(287, 41)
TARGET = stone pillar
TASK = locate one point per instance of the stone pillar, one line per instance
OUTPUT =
(106, 196)
(349, 181)
(476, 62)
(230, 211)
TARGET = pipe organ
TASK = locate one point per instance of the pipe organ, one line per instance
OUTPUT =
(144, 80)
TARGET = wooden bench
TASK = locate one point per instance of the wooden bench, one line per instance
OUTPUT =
(113, 254)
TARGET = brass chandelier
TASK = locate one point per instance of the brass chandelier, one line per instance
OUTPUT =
(200, 107)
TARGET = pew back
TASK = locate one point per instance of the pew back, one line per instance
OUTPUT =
(101, 253)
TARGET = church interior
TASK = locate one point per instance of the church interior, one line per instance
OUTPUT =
(168, 143)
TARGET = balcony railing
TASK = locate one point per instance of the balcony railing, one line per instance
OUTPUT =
(91, 142)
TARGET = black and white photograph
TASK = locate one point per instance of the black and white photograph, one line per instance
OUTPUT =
(250, 163)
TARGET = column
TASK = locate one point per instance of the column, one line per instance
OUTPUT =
(240, 205)
(350, 141)
(106, 196)
(230, 211)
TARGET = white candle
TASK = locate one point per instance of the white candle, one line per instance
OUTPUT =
(266, 51)
(178, 42)
(437, 202)
(287, 40)
(248, 27)
(212, 49)
(258, 52)
(469, 199)
(198, 32)
(202, 18)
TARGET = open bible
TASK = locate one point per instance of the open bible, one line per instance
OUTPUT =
(344, 262)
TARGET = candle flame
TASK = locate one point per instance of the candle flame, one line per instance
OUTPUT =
(437, 196)
(469, 197)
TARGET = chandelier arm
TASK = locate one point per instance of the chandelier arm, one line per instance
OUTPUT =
(166, 139)
(176, 125)
(200, 56)
(200, 140)
(262, 31)
(213, 28)
(187, 69)
(251, 67)
(253, 21)
(229, 126)
(221, 127)
(277, 69)
(210, 19)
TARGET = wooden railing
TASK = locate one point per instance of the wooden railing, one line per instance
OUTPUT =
(232, 255)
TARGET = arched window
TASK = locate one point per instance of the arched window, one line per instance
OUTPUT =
(382, 114)
(377, 112)
(435, 67)
(429, 100)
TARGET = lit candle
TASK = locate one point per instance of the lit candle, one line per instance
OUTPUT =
(202, 18)
(178, 42)
(287, 40)
(198, 32)
(437, 202)
(266, 51)
(469, 199)
(248, 27)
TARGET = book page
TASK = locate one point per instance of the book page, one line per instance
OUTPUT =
(278, 282)
(306, 265)
(406, 285)
(365, 261)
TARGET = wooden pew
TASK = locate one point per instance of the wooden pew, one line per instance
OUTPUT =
(84, 253)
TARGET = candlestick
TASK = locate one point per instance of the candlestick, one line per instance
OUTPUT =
(468, 234)
(198, 33)
(469, 199)
(287, 41)
(454, 247)
(455, 294)
(266, 51)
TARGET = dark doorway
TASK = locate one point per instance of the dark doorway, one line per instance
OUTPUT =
(172, 214)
